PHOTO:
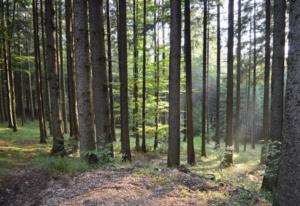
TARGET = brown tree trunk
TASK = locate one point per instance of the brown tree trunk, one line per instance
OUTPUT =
(204, 85)
(100, 84)
(277, 94)
(123, 73)
(266, 82)
(188, 70)
(110, 76)
(39, 94)
(58, 139)
(229, 102)
(174, 86)
(135, 76)
(289, 170)
(218, 77)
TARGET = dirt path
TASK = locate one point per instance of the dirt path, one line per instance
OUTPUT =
(126, 186)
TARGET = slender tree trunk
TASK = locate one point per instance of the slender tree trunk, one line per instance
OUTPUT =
(100, 84)
(135, 76)
(62, 76)
(266, 82)
(144, 81)
(47, 110)
(110, 76)
(73, 114)
(277, 93)
(157, 74)
(123, 73)
(39, 91)
(188, 70)
(229, 103)
(204, 85)
(218, 77)
(253, 136)
(174, 86)
(58, 139)
(238, 82)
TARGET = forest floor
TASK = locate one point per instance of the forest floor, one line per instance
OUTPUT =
(28, 176)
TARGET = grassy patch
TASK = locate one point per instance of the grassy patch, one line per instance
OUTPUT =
(64, 165)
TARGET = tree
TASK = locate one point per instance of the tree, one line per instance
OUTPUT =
(71, 73)
(135, 74)
(288, 179)
(188, 70)
(174, 86)
(62, 75)
(276, 94)
(58, 139)
(100, 84)
(144, 80)
(218, 78)
(204, 90)
(109, 58)
(123, 73)
(238, 81)
(39, 91)
(266, 82)
(229, 103)
(83, 73)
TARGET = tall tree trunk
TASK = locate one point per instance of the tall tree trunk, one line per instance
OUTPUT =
(83, 78)
(73, 114)
(277, 93)
(157, 74)
(188, 70)
(58, 139)
(10, 72)
(253, 136)
(218, 77)
(174, 85)
(288, 181)
(229, 103)
(62, 76)
(238, 82)
(266, 82)
(46, 98)
(204, 85)
(144, 80)
(39, 95)
(110, 76)
(135, 76)
(100, 84)
(123, 73)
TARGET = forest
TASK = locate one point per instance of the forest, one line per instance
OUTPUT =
(149, 102)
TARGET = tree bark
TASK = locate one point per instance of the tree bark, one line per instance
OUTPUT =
(229, 102)
(174, 86)
(58, 139)
(100, 84)
(110, 76)
(135, 76)
(204, 85)
(144, 80)
(289, 182)
(266, 82)
(73, 114)
(123, 73)
(218, 77)
(188, 70)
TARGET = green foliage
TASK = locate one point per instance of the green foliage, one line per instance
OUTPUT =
(103, 155)
(65, 165)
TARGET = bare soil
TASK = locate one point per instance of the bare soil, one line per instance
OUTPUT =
(129, 185)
